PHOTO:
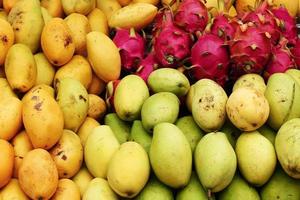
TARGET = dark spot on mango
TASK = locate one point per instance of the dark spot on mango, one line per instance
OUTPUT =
(65, 173)
(129, 193)
(254, 124)
(40, 198)
(82, 98)
(4, 39)
(64, 157)
(59, 153)
(34, 98)
(38, 106)
(67, 41)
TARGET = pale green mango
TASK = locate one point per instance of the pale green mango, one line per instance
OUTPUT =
(193, 191)
(268, 132)
(171, 155)
(281, 186)
(295, 74)
(129, 97)
(120, 128)
(73, 100)
(140, 135)
(215, 161)
(169, 80)
(191, 130)
(46, 15)
(256, 157)
(160, 107)
(254, 81)
(98, 188)
(287, 145)
(231, 132)
(27, 21)
(239, 189)
(155, 190)
(283, 95)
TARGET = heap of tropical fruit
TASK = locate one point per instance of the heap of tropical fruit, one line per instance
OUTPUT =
(149, 100)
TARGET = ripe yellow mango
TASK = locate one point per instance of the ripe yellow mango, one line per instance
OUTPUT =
(45, 71)
(8, 4)
(98, 188)
(98, 21)
(97, 107)
(5, 89)
(86, 128)
(7, 162)
(13, 191)
(66, 189)
(153, 2)
(7, 39)
(78, 6)
(82, 179)
(108, 6)
(97, 85)
(54, 7)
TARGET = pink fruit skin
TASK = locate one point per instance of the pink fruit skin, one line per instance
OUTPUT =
(281, 60)
(210, 59)
(132, 48)
(223, 28)
(287, 24)
(147, 65)
(192, 15)
(250, 50)
(295, 50)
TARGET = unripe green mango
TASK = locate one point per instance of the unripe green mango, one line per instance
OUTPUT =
(140, 135)
(295, 74)
(27, 21)
(283, 95)
(73, 100)
(256, 157)
(129, 97)
(268, 132)
(287, 147)
(281, 186)
(215, 166)
(169, 80)
(239, 189)
(160, 107)
(170, 155)
(191, 130)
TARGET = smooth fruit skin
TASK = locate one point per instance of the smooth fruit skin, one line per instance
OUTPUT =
(140, 135)
(13, 191)
(254, 81)
(82, 179)
(8, 34)
(99, 188)
(7, 158)
(66, 189)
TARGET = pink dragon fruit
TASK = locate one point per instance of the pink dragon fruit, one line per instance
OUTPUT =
(265, 19)
(250, 50)
(132, 47)
(295, 50)
(223, 27)
(110, 92)
(171, 44)
(281, 59)
(210, 59)
(192, 16)
(147, 65)
(287, 24)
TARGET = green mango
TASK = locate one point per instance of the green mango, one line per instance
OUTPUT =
(120, 128)
(215, 161)
(268, 132)
(238, 189)
(281, 186)
(295, 74)
(155, 190)
(140, 135)
(190, 129)
(169, 80)
(170, 155)
(160, 107)
(231, 132)
(129, 97)
(193, 191)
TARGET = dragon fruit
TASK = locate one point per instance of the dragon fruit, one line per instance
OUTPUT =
(171, 44)
(223, 27)
(147, 65)
(295, 50)
(110, 92)
(281, 60)
(287, 24)
(265, 19)
(132, 48)
(210, 59)
(250, 50)
(192, 16)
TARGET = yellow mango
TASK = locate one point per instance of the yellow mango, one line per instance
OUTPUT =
(57, 42)
(7, 39)
(50, 90)
(153, 2)
(124, 2)
(78, 6)
(99, 188)
(5, 89)
(13, 191)
(54, 7)
(42, 117)
(8, 4)
(97, 107)
(46, 15)
(104, 56)
(137, 16)
(7, 162)
(86, 128)
(82, 179)
(98, 21)
(108, 6)
(66, 189)
(3, 14)
(97, 85)
(45, 71)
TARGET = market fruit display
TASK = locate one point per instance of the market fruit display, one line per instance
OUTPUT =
(149, 99)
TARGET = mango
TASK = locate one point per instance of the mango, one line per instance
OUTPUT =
(191, 130)
(283, 95)
(269, 133)
(3, 14)
(286, 145)
(98, 21)
(215, 166)
(99, 188)
(208, 105)
(128, 170)
(97, 107)
(108, 6)
(82, 179)
(86, 128)
(247, 108)
(170, 155)
(140, 135)
(45, 71)
(43, 181)
(46, 88)
(295, 74)
(124, 2)
(78, 6)
(73, 100)
(20, 68)
(57, 42)
(5, 89)
(29, 24)
(257, 165)
(231, 132)
(160, 107)
(8, 4)
(129, 97)
(7, 159)
(100, 146)
(66, 189)
(46, 15)
(153, 2)
(254, 81)
(189, 98)
(13, 191)
(42, 118)
(239, 189)
(7, 39)
(54, 7)
(97, 85)
(99, 45)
